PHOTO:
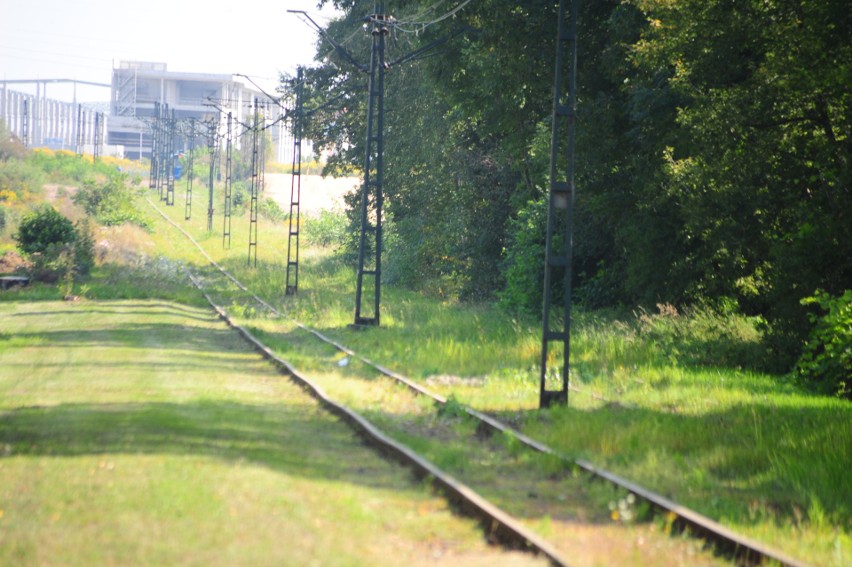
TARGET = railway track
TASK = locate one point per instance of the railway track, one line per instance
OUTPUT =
(505, 529)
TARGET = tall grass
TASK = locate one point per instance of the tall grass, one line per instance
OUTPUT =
(667, 399)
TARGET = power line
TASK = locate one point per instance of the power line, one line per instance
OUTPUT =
(421, 26)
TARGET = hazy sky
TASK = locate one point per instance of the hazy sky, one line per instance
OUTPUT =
(82, 39)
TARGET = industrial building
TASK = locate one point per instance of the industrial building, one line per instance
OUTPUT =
(204, 97)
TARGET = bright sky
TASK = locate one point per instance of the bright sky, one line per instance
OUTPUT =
(82, 39)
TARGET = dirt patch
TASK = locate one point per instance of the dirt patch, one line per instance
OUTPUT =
(11, 262)
(52, 192)
(317, 193)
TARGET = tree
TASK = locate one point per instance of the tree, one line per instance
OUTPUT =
(41, 229)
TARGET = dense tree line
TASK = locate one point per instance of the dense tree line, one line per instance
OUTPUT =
(713, 150)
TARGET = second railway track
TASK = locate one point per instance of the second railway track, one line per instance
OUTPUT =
(740, 549)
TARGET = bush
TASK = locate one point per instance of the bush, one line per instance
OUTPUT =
(111, 202)
(55, 263)
(326, 229)
(84, 248)
(19, 181)
(240, 194)
(43, 228)
(523, 261)
(826, 363)
(705, 336)
(271, 210)
(56, 247)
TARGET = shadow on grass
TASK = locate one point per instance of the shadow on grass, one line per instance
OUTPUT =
(165, 336)
(287, 438)
(141, 312)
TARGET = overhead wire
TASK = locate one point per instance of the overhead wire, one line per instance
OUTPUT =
(418, 27)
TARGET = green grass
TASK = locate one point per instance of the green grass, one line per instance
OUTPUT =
(745, 448)
(147, 432)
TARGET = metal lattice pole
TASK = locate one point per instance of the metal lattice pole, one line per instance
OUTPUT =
(155, 139)
(98, 137)
(292, 283)
(373, 163)
(255, 186)
(560, 210)
(25, 124)
(187, 213)
(212, 138)
(78, 139)
(170, 159)
(226, 220)
(163, 159)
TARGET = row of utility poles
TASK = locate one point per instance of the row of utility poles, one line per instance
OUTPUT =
(172, 137)
(84, 119)
(556, 324)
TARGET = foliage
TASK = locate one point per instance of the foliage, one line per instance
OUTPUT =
(826, 363)
(703, 336)
(84, 247)
(43, 228)
(65, 166)
(524, 260)
(325, 229)
(756, 176)
(58, 249)
(713, 152)
(270, 209)
(111, 201)
(240, 194)
(10, 146)
(55, 263)
(19, 182)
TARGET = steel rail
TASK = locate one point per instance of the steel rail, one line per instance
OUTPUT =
(743, 549)
(500, 526)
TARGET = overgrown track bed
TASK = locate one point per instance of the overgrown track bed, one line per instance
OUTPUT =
(725, 541)
(145, 432)
(501, 527)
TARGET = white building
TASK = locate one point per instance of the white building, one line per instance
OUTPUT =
(205, 97)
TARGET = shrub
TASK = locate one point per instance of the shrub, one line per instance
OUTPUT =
(19, 181)
(328, 228)
(42, 228)
(84, 248)
(271, 210)
(55, 263)
(826, 363)
(240, 194)
(706, 336)
(523, 261)
(111, 202)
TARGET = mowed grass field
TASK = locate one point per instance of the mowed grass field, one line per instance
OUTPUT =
(145, 432)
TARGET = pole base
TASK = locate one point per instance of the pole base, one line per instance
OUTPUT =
(549, 398)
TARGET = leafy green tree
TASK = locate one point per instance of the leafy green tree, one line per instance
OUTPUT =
(826, 363)
(712, 163)
(760, 173)
(42, 228)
